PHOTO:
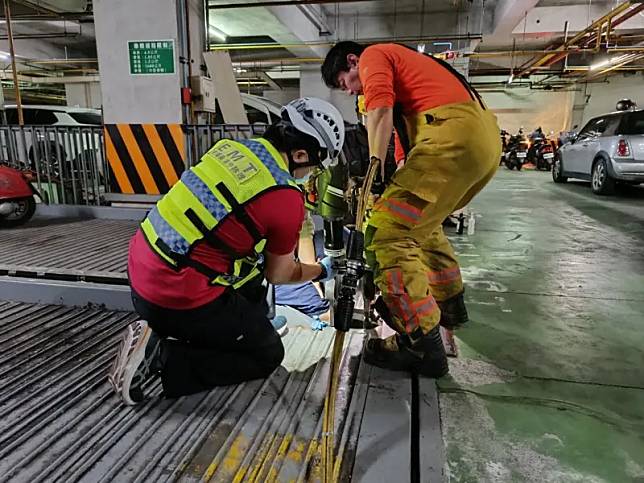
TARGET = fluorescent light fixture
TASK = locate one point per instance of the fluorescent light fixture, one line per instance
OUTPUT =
(608, 62)
(599, 65)
(4, 55)
(445, 44)
(288, 74)
(215, 32)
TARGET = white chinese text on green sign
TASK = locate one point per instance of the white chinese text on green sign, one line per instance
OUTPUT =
(151, 56)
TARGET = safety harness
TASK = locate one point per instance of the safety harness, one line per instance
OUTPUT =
(399, 119)
(229, 176)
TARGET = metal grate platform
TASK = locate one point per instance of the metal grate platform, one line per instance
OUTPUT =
(59, 420)
(88, 250)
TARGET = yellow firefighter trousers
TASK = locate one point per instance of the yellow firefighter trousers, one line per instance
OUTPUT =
(455, 152)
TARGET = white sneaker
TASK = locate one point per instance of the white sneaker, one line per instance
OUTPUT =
(135, 362)
(279, 324)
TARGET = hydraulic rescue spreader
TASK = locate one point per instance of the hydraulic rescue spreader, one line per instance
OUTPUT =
(351, 271)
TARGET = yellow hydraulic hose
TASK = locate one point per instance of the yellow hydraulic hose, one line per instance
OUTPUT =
(329, 471)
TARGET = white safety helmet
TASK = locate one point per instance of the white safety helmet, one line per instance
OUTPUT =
(320, 120)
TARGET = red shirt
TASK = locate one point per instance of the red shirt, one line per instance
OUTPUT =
(392, 73)
(278, 215)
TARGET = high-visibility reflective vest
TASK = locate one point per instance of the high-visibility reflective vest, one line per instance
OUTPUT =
(230, 175)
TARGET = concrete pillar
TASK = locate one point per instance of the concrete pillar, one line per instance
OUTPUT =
(311, 85)
(197, 34)
(147, 98)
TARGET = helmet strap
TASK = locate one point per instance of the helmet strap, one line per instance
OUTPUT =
(292, 165)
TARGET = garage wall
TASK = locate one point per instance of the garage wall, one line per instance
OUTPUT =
(522, 107)
(136, 98)
(86, 94)
(311, 85)
(283, 96)
(597, 99)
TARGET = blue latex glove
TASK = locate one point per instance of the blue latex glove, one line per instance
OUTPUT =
(317, 324)
(327, 263)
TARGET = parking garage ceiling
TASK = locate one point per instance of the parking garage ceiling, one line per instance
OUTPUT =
(276, 38)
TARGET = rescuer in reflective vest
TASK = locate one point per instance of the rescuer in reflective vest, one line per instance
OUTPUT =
(452, 147)
(198, 262)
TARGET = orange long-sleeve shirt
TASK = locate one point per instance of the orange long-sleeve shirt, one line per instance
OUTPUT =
(392, 73)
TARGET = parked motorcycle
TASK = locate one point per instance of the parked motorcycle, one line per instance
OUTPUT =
(517, 151)
(17, 196)
(541, 154)
(504, 144)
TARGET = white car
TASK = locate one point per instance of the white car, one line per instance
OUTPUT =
(608, 150)
(54, 133)
(54, 115)
(259, 110)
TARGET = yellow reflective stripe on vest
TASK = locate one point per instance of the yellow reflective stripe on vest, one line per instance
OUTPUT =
(173, 208)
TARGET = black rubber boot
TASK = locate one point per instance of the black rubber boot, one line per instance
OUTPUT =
(453, 312)
(425, 356)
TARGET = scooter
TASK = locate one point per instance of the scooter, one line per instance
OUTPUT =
(504, 145)
(541, 154)
(17, 196)
(517, 152)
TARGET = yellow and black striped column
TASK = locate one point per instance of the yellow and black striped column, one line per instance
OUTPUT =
(144, 158)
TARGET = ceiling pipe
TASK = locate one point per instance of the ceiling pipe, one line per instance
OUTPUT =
(628, 60)
(58, 35)
(80, 17)
(279, 3)
(596, 38)
(77, 79)
(64, 61)
(625, 49)
(559, 51)
(611, 24)
(292, 63)
(264, 45)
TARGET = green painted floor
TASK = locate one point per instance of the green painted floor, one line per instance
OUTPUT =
(550, 383)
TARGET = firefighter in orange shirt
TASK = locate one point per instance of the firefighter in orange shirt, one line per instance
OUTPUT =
(452, 146)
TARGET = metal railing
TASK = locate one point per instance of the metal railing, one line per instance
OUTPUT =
(69, 162)
(200, 138)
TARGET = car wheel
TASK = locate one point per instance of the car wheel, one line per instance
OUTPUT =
(47, 159)
(557, 171)
(601, 182)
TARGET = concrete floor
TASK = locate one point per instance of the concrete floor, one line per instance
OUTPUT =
(550, 383)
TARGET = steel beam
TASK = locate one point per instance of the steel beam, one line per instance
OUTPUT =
(80, 294)
(87, 211)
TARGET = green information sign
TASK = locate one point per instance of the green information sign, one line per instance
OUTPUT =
(151, 56)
